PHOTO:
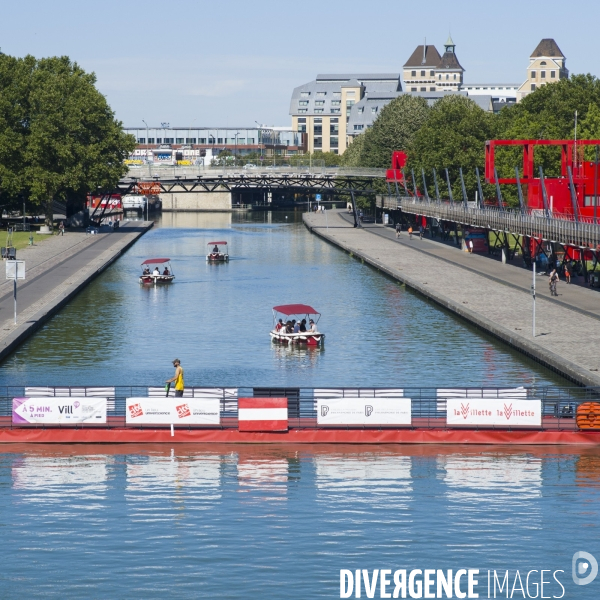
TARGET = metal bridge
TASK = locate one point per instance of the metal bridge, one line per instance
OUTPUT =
(209, 179)
(554, 227)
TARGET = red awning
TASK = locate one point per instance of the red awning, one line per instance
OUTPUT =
(296, 309)
(156, 261)
(217, 243)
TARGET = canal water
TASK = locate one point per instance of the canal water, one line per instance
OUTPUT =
(254, 522)
(216, 318)
(268, 522)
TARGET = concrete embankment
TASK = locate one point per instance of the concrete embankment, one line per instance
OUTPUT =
(567, 339)
(56, 270)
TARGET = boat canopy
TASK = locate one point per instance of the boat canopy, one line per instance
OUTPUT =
(296, 309)
(217, 243)
(156, 261)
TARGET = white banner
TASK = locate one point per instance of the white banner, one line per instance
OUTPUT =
(488, 411)
(176, 411)
(59, 411)
(364, 411)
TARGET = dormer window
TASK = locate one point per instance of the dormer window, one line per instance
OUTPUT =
(543, 63)
(422, 73)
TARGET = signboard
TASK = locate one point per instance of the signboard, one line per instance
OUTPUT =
(364, 411)
(176, 411)
(15, 269)
(263, 414)
(318, 197)
(505, 412)
(59, 411)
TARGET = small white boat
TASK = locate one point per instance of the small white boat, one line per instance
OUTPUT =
(157, 274)
(281, 334)
(219, 252)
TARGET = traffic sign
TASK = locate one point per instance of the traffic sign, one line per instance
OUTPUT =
(318, 197)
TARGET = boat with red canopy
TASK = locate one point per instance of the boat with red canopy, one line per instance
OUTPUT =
(154, 272)
(283, 331)
(218, 253)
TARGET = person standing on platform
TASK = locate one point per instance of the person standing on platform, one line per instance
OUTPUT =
(178, 379)
(398, 229)
(567, 272)
(552, 281)
(61, 228)
(421, 231)
(410, 232)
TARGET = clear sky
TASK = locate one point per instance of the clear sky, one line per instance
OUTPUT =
(231, 63)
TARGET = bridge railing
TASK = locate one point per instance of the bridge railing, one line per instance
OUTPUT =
(158, 172)
(553, 228)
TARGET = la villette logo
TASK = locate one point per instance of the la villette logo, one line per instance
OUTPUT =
(464, 411)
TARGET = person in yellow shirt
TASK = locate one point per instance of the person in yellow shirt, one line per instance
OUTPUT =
(178, 379)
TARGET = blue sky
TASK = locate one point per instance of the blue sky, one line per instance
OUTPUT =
(231, 63)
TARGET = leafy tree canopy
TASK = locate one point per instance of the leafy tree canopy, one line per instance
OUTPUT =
(58, 135)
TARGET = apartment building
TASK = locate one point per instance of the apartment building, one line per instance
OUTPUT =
(547, 64)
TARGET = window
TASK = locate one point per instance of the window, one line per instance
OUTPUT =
(413, 89)
(413, 73)
(302, 120)
(190, 140)
(422, 73)
(334, 141)
(552, 74)
(141, 140)
(543, 74)
(337, 94)
(423, 89)
(318, 130)
(335, 111)
(533, 87)
(532, 74)
(151, 140)
(159, 140)
(349, 104)
(431, 73)
(179, 140)
(318, 142)
(168, 140)
(219, 140)
(319, 110)
(336, 102)
(334, 129)
(321, 94)
(319, 120)
(304, 94)
(358, 127)
(440, 76)
(303, 103)
(250, 140)
(360, 110)
(202, 140)
(448, 77)
(302, 110)
(319, 102)
(374, 109)
(301, 127)
(432, 89)
(334, 120)
(543, 63)
(454, 76)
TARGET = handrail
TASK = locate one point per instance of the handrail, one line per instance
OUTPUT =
(561, 228)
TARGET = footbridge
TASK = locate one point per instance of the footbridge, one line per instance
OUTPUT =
(541, 225)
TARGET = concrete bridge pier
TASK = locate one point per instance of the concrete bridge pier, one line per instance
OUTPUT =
(219, 200)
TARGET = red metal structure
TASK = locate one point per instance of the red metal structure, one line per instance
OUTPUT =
(395, 174)
(572, 194)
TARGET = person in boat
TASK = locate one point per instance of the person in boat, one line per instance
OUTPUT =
(297, 327)
(156, 271)
(166, 271)
(289, 327)
(303, 326)
(313, 327)
(216, 249)
(146, 270)
(279, 325)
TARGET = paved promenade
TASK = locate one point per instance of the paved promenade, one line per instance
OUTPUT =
(56, 270)
(493, 296)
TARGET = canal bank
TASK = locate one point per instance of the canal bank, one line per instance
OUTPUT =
(56, 271)
(566, 340)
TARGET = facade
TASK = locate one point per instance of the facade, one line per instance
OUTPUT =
(323, 110)
(420, 69)
(199, 145)
(547, 64)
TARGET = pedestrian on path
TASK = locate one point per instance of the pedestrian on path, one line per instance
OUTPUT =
(61, 228)
(552, 281)
(398, 229)
(567, 273)
(421, 231)
(410, 232)
(178, 379)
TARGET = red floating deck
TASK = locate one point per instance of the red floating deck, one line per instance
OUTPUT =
(297, 436)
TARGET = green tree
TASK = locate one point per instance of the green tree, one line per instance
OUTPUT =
(394, 129)
(453, 136)
(590, 129)
(65, 135)
(352, 157)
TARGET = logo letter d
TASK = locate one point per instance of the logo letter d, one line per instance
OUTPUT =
(582, 568)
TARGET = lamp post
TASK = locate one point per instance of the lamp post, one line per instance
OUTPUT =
(235, 149)
(259, 141)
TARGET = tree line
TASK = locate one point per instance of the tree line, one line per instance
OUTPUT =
(59, 138)
(451, 134)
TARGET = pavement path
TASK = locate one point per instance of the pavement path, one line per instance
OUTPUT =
(494, 296)
(55, 271)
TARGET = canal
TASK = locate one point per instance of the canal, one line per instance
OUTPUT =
(216, 319)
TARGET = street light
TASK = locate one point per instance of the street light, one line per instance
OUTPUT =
(259, 140)
(235, 149)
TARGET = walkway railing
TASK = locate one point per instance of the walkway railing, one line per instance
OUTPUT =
(555, 407)
(553, 228)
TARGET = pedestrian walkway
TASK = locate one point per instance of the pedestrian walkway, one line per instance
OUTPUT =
(55, 271)
(489, 294)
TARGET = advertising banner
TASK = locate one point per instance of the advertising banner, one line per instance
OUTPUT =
(505, 412)
(364, 411)
(59, 411)
(176, 411)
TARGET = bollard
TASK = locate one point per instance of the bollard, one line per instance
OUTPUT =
(31, 240)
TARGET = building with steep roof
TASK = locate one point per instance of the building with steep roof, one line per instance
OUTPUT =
(419, 71)
(449, 73)
(547, 64)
